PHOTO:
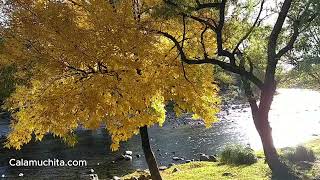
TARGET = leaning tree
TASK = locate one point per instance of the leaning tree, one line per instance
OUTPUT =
(235, 36)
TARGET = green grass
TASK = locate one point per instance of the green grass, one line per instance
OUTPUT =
(315, 170)
(215, 170)
(315, 146)
(209, 170)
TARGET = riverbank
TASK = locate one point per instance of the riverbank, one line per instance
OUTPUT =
(180, 137)
(216, 170)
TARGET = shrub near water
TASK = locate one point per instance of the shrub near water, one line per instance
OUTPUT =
(298, 154)
(238, 154)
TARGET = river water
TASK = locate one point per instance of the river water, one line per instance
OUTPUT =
(294, 117)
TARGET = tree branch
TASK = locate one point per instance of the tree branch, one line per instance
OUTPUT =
(224, 65)
(203, 21)
(291, 42)
(251, 29)
(198, 7)
(273, 38)
(205, 54)
(206, 5)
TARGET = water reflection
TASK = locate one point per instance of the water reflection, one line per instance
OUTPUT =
(294, 118)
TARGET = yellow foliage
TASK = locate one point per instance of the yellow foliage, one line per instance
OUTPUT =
(92, 65)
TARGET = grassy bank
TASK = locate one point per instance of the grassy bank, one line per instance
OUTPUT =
(213, 170)
(208, 170)
(219, 171)
(315, 170)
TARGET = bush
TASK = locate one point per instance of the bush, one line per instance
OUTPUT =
(238, 154)
(299, 154)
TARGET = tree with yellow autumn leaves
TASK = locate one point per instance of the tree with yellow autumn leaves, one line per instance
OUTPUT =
(92, 64)
(117, 63)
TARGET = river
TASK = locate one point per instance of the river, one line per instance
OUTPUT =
(294, 117)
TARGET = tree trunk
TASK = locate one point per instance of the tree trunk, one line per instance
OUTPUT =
(278, 168)
(151, 160)
(261, 121)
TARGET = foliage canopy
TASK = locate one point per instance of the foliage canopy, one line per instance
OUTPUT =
(92, 65)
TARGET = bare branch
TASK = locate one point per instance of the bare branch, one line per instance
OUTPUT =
(291, 42)
(186, 78)
(206, 5)
(212, 25)
(205, 54)
(78, 70)
(184, 30)
(220, 27)
(199, 5)
(251, 29)
(296, 33)
(224, 65)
